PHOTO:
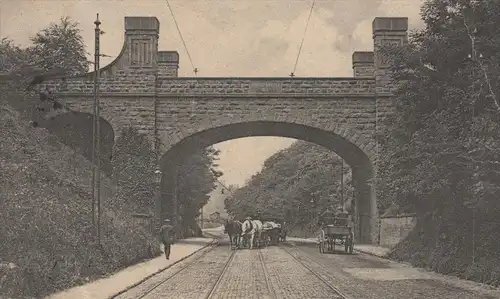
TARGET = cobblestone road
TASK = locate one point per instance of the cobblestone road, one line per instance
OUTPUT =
(290, 279)
(244, 278)
(273, 272)
(192, 282)
(360, 276)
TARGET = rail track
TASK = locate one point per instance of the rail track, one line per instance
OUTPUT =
(335, 290)
(215, 287)
(221, 275)
(270, 289)
(186, 266)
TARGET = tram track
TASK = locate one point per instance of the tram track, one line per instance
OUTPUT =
(177, 272)
(213, 289)
(270, 288)
(315, 273)
(221, 275)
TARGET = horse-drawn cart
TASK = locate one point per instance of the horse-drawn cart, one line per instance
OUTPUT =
(271, 231)
(340, 230)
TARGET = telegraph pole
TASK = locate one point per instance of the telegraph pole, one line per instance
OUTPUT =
(97, 134)
(94, 113)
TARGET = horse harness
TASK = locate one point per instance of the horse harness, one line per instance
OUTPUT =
(250, 228)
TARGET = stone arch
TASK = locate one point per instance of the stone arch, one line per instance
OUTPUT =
(357, 151)
(75, 130)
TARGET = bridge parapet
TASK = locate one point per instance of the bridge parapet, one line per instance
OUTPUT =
(145, 82)
(273, 87)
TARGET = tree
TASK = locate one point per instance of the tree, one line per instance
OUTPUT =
(57, 50)
(444, 108)
(61, 46)
(197, 178)
(134, 164)
(295, 184)
(441, 149)
(13, 56)
(17, 65)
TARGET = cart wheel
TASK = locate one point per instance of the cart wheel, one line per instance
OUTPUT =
(346, 245)
(351, 243)
(320, 245)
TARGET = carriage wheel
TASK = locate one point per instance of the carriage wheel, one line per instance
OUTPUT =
(320, 247)
(351, 243)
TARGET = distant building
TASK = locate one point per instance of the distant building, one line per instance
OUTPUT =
(215, 217)
(215, 204)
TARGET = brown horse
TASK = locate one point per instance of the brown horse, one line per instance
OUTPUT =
(233, 229)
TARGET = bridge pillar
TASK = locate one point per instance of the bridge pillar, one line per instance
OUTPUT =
(168, 64)
(386, 31)
(141, 42)
(363, 65)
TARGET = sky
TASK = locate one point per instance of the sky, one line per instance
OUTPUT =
(227, 38)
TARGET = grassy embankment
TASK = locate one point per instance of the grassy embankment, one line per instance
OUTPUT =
(46, 224)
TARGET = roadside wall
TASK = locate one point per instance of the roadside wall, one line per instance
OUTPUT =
(393, 229)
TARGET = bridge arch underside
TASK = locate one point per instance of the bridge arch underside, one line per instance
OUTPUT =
(75, 130)
(359, 161)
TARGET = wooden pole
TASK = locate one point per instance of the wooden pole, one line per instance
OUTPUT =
(94, 119)
(97, 127)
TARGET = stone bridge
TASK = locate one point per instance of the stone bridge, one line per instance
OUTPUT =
(141, 88)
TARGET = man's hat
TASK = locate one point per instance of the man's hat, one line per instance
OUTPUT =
(248, 218)
(166, 220)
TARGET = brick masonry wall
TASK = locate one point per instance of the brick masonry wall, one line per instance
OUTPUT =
(394, 229)
(119, 111)
(279, 86)
(364, 71)
(167, 70)
(192, 115)
(132, 81)
(185, 106)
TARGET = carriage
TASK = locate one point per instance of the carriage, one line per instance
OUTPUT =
(340, 230)
(271, 232)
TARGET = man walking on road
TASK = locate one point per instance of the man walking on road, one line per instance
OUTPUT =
(167, 236)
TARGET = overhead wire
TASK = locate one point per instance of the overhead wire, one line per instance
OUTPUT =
(195, 70)
(292, 74)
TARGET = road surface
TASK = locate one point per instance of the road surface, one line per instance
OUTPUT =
(298, 272)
